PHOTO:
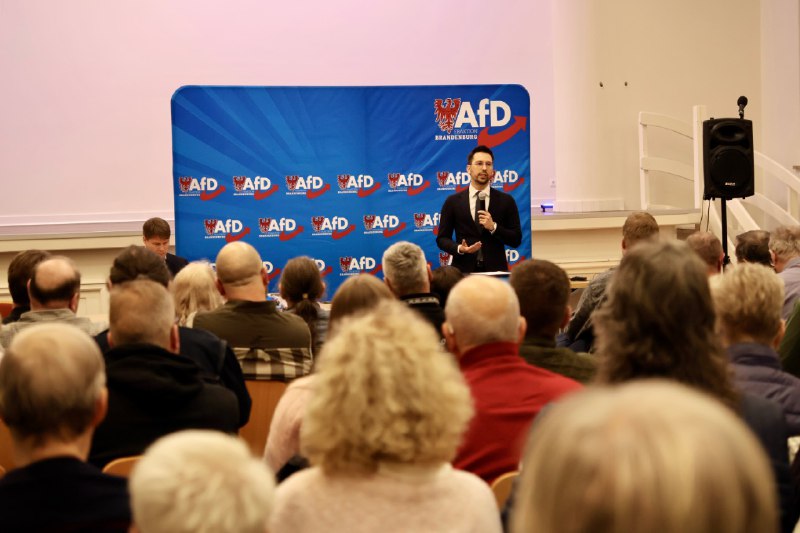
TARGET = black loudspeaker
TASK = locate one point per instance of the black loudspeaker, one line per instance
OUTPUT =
(728, 168)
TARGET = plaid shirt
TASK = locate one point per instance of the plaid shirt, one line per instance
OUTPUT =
(279, 364)
(269, 344)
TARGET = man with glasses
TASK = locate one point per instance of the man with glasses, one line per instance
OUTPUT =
(485, 220)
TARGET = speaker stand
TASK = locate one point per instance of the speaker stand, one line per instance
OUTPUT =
(726, 260)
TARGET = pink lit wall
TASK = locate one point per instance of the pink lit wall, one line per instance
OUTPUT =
(86, 84)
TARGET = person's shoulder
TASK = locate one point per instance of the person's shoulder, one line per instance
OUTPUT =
(177, 260)
(298, 483)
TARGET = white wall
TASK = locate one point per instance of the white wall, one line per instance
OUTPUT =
(672, 55)
(84, 103)
(87, 83)
(780, 80)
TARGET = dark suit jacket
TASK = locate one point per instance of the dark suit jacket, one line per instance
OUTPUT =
(456, 216)
(175, 263)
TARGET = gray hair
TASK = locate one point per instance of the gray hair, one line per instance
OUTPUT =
(405, 267)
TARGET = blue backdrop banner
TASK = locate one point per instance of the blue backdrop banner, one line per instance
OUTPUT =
(338, 173)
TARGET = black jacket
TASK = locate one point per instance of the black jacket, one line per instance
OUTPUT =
(151, 393)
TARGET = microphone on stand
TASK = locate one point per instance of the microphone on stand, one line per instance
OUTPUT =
(742, 102)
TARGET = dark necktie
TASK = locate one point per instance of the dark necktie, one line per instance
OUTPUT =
(480, 205)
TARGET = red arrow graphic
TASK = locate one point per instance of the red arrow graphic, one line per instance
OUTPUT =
(495, 139)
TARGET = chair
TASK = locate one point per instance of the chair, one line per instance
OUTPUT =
(121, 467)
(265, 395)
(6, 450)
(5, 309)
(501, 487)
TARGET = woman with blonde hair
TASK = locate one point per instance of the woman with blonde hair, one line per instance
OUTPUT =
(646, 456)
(387, 415)
(358, 294)
(194, 289)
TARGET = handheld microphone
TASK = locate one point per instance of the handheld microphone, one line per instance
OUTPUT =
(481, 205)
(742, 102)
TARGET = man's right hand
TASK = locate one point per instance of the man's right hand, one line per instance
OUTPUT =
(464, 248)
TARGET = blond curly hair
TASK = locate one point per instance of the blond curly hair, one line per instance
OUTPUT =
(386, 392)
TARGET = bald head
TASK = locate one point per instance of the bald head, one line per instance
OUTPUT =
(51, 380)
(481, 310)
(238, 264)
(55, 283)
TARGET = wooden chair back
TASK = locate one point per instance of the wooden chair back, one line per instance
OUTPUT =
(501, 487)
(6, 449)
(121, 467)
(265, 395)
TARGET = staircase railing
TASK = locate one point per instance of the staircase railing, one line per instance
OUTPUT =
(776, 201)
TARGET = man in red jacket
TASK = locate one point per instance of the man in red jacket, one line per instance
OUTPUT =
(483, 330)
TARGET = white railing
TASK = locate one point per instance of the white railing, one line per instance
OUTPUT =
(776, 202)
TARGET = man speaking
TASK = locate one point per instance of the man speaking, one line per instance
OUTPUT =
(485, 220)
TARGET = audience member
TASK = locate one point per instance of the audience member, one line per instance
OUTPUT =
(301, 286)
(443, 279)
(194, 289)
(483, 330)
(709, 249)
(54, 291)
(408, 276)
(155, 235)
(52, 396)
(268, 343)
(753, 247)
(748, 302)
(214, 357)
(153, 390)
(784, 246)
(388, 413)
(543, 290)
(200, 482)
(659, 321)
(648, 456)
(356, 295)
(639, 226)
(19, 272)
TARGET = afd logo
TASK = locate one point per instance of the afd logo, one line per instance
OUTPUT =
(445, 259)
(513, 257)
(455, 113)
(311, 186)
(388, 225)
(285, 229)
(449, 181)
(426, 222)
(206, 188)
(351, 266)
(324, 269)
(509, 179)
(410, 183)
(460, 119)
(336, 227)
(361, 184)
(272, 272)
(229, 229)
(259, 187)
